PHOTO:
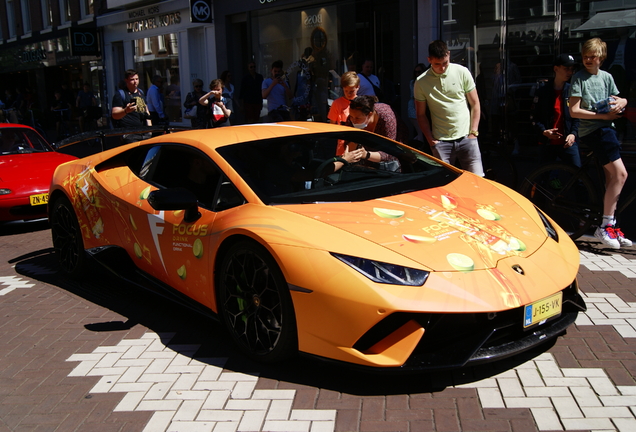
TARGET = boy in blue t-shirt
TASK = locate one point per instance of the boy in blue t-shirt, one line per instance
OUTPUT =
(591, 89)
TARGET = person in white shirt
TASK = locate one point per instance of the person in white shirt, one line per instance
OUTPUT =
(369, 83)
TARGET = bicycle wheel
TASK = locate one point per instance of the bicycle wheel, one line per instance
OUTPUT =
(498, 166)
(566, 194)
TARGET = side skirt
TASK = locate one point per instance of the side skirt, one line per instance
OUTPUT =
(116, 260)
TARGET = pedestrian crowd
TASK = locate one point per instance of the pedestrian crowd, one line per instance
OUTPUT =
(444, 110)
(21, 105)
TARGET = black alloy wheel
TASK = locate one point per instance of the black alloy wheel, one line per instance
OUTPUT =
(67, 238)
(255, 304)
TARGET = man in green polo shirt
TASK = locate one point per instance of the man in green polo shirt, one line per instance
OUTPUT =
(444, 88)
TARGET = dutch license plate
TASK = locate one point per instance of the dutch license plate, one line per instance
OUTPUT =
(39, 199)
(542, 309)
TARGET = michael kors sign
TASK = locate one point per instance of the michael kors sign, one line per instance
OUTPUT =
(201, 11)
(154, 22)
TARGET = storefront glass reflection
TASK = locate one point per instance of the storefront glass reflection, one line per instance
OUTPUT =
(159, 55)
(510, 47)
(318, 44)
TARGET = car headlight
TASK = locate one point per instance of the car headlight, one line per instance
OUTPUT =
(5, 191)
(385, 273)
(549, 228)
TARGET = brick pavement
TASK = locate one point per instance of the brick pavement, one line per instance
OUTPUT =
(103, 356)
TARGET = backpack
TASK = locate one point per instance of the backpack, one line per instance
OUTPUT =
(124, 95)
(125, 99)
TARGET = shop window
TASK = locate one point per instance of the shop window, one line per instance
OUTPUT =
(583, 20)
(47, 14)
(11, 18)
(65, 11)
(159, 55)
(26, 16)
(162, 44)
(147, 46)
(173, 43)
(549, 7)
(87, 8)
(317, 43)
(507, 79)
(531, 8)
(447, 12)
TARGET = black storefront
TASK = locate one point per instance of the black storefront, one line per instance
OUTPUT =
(61, 60)
(338, 35)
(510, 46)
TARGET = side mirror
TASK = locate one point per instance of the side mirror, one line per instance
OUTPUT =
(176, 199)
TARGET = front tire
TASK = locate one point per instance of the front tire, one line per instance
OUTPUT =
(67, 238)
(255, 305)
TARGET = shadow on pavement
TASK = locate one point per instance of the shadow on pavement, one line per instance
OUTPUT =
(592, 245)
(160, 315)
(23, 227)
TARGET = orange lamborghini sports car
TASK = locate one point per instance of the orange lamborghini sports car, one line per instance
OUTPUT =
(396, 261)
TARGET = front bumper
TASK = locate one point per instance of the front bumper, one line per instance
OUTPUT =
(454, 340)
(12, 209)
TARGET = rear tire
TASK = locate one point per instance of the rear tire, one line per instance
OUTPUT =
(574, 207)
(67, 238)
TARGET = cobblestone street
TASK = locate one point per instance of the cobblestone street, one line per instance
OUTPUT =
(103, 355)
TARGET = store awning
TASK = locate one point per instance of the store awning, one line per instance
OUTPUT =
(614, 19)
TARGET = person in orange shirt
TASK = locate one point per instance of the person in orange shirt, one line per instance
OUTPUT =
(339, 111)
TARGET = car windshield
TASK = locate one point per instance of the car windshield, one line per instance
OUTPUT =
(22, 140)
(301, 169)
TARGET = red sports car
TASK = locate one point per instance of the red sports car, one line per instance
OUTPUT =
(27, 163)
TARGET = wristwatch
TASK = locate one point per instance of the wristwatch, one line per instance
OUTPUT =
(473, 132)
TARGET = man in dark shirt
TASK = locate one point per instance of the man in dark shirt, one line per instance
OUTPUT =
(129, 107)
(251, 96)
(551, 115)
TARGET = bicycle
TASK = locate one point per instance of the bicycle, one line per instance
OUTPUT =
(569, 196)
(498, 165)
(61, 117)
(9, 115)
(32, 120)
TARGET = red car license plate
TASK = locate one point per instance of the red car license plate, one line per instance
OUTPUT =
(39, 199)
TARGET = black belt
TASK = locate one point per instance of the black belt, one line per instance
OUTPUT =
(453, 141)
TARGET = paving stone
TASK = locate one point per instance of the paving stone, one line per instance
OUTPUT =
(52, 373)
